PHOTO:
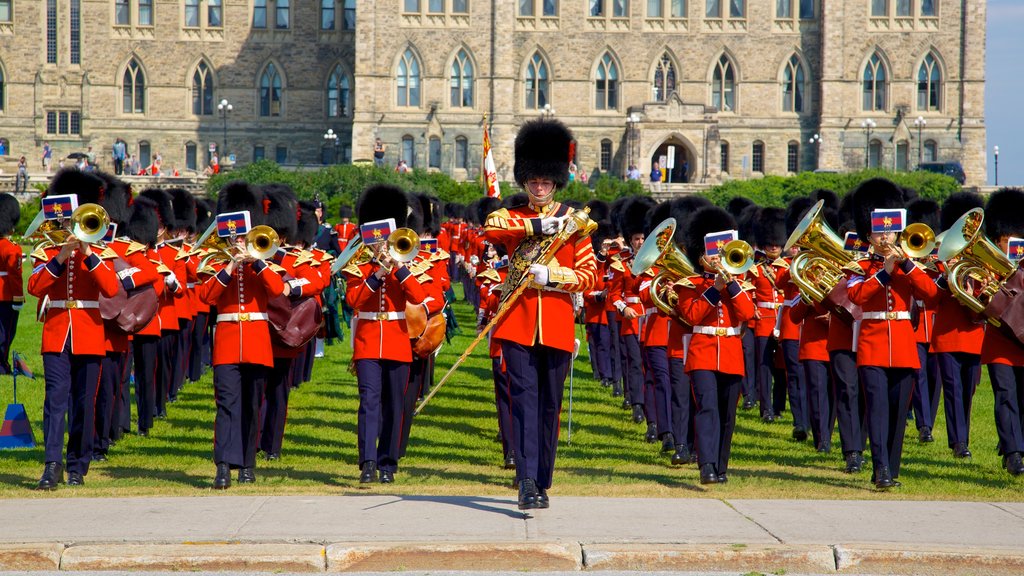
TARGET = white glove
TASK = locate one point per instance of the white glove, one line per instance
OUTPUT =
(551, 224)
(16, 306)
(540, 273)
(171, 281)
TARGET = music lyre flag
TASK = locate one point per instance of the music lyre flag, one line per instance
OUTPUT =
(853, 243)
(59, 207)
(1015, 248)
(429, 244)
(111, 232)
(377, 231)
(233, 224)
(490, 174)
(889, 220)
(500, 263)
(716, 241)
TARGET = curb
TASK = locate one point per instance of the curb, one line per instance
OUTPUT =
(397, 556)
(35, 557)
(189, 557)
(767, 558)
(879, 559)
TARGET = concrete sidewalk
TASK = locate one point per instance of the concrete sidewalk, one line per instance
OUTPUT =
(389, 532)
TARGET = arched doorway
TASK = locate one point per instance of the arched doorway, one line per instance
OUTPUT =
(675, 160)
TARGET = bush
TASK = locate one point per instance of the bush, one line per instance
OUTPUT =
(778, 190)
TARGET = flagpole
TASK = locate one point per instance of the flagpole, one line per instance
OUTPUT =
(483, 160)
(14, 374)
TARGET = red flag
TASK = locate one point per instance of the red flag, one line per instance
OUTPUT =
(490, 174)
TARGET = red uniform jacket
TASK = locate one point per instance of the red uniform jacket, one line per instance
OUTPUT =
(241, 339)
(998, 348)
(813, 331)
(704, 307)
(788, 328)
(140, 272)
(303, 280)
(12, 288)
(73, 289)
(768, 296)
(957, 328)
(888, 342)
(377, 336)
(170, 255)
(543, 315)
(655, 325)
(594, 301)
(622, 293)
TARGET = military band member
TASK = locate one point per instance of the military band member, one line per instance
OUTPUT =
(199, 350)
(789, 330)
(884, 285)
(184, 204)
(68, 280)
(537, 333)
(925, 401)
(595, 318)
(345, 229)
(12, 289)
(769, 295)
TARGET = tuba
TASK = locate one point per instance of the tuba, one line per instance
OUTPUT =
(658, 250)
(979, 259)
(819, 268)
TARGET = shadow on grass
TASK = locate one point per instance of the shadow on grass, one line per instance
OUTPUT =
(161, 475)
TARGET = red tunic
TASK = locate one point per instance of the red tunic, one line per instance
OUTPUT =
(380, 331)
(12, 288)
(768, 297)
(622, 293)
(707, 309)
(788, 328)
(813, 332)
(655, 325)
(241, 340)
(594, 301)
(957, 328)
(304, 280)
(140, 272)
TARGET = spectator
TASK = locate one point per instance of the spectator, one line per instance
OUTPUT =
(686, 171)
(214, 164)
(3, 147)
(633, 173)
(655, 177)
(378, 153)
(402, 167)
(119, 153)
(133, 165)
(583, 175)
(91, 156)
(572, 171)
(47, 156)
(21, 178)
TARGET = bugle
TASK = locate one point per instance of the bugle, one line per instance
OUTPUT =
(88, 223)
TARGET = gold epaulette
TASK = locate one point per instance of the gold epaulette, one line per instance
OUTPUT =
(327, 257)
(497, 219)
(208, 269)
(162, 268)
(420, 267)
(854, 266)
(617, 264)
(781, 263)
(108, 253)
(685, 283)
(182, 254)
(302, 257)
(352, 270)
(490, 274)
(134, 247)
(39, 254)
(276, 268)
(439, 255)
(747, 286)
(755, 271)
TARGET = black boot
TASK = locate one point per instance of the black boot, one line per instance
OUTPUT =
(883, 478)
(369, 472)
(529, 495)
(707, 474)
(1013, 464)
(668, 442)
(247, 475)
(223, 478)
(638, 413)
(53, 474)
(853, 462)
(510, 460)
(681, 455)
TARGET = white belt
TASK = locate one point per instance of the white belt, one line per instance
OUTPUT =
(716, 330)
(633, 300)
(242, 317)
(72, 304)
(3, 273)
(904, 315)
(190, 285)
(772, 305)
(381, 316)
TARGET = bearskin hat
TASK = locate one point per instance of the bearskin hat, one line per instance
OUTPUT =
(88, 187)
(925, 211)
(604, 232)
(615, 216)
(164, 206)
(870, 195)
(382, 201)
(238, 196)
(184, 204)
(909, 194)
(574, 204)
(658, 214)
(831, 198)
(453, 210)
(955, 206)
(117, 197)
(204, 214)
(432, 210)
(745, 223)
(144, 221)
(307, 225)
(484, 207)
(599, 209)
(769, 227)
(633, 218)
(10, 213)
(345, 211)
(543, 149)
(415, 219)
(683, 209)
(282, 208)
(705, 221)
(517, 200)
(737, 204)
(1004, 214)
(795, 212)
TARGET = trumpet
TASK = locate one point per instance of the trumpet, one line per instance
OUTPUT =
(658, 250)
(979, 259)
(918, 240)
(261, 243)
(88, 223)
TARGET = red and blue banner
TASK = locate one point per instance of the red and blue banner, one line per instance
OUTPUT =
(59, 207)
(889, 220)
(111, 232)
(1015, 248)
(429, 244)
(716, 241)
(377, 231)
(500, 263)
(233, 224)
(853, 243)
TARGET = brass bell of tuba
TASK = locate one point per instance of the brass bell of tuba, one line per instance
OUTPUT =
(658, 250)
(819, 268)
(979, 259)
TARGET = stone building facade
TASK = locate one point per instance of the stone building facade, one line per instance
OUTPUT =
(717, 89)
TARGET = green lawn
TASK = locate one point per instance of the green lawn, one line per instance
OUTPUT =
(453, 448)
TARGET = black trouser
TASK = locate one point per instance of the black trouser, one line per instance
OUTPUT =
(274, 411)
(715, 394)
(237, 389)
(1008, 390)
(71, 383)
(146, 352)
(887, 394)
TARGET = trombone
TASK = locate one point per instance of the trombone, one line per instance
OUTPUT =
(735, 259)
(88, 223)
(261, 243)
(402, 245)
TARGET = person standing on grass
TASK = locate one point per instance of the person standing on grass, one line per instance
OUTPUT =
(12, 290)
(537, 334)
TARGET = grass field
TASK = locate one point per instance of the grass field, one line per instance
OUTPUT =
(453, 450)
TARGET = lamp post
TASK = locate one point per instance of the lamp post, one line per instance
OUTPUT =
(225, 108)
(332, 140)
(920, 122)
(995, 150)
(547, 112)
(816, 142)
(868, 125)
(631, 126)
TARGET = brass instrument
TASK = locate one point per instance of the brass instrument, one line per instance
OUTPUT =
(261, 243)
(736, 258)
(918, 240)
(979, 259)
(658, 250)
(403, 245)
(88, 223)
(819, 268)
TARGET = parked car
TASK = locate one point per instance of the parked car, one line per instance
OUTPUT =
(951, 169)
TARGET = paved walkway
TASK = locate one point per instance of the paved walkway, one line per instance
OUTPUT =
(389, 532)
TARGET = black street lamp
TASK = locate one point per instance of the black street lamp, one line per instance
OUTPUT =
(816, 142)
(920, 122)
(868, 125)
(332, 140)
(225, 108)
(995, 150)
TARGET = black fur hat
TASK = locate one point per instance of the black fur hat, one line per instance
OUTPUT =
(705, 221)
(737, 204)
(282, 209)
(184, 204)
(657, 215)
(143, 221)
(117, 197)
(604, 232)
(453, 210)
(769, 227)
(831, 198)
(599, 209)
(517, 200)
(238, 196)
(633, 218)
(10, 213)
(415, 218)
(164, 208)
(615, 217)
(88, 187)
(345, 211)
(484, 207)
(956, 205)
(1004, 214)
(683, 208)
(204, 214)
(543, 149)
(574, 204)
(745, 223)
(795, 212)
(382, 201)
(870, 195)
(431, 207)
(307, 225)
(925, 211)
